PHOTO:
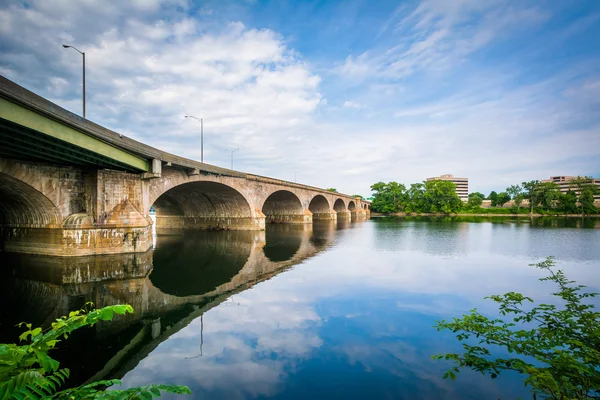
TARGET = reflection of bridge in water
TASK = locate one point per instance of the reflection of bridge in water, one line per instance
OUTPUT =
(187, 274)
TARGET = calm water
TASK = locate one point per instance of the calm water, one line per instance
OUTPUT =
(324, 311)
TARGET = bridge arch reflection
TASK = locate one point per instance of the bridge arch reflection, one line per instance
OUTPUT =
(187, 274)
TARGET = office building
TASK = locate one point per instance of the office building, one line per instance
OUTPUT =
(564, 182)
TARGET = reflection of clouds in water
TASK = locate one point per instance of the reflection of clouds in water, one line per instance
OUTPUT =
(253, 345)
(250, 345)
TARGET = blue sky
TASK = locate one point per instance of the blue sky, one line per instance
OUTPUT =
(333, 93)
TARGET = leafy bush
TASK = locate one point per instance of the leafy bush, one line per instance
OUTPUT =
(564, 341)
(28, 372)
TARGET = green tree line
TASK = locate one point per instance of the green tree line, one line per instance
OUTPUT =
(438, 196)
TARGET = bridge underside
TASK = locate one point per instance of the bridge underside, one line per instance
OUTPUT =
(205, 206)
(22, 143)
(284, 207)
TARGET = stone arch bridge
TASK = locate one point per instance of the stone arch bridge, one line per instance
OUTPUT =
(69, 187)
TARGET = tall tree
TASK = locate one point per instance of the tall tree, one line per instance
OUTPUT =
(476, 199)
(549, 194)
(416, 197)
(585, 189)
(568, 202)
(493, 196)
(388, 197)
(516, 194)
(502, 199)
(440, 196)
(531, 189)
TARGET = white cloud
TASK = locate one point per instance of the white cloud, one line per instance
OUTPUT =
(146, 69)
(353, 104)
(430, 105)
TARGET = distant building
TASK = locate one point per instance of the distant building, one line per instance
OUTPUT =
(462, 185)
(564, 182)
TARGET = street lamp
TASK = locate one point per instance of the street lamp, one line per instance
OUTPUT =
(201, 136)
(83, 54)
(232, 156)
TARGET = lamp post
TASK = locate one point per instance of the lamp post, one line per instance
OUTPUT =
(83, 54)
(232, 151)
(201, 135)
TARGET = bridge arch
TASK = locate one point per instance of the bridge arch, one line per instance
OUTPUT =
(319, 204)
(23, 206)
(351, 205)
(320, 208)
(206, 205)
(339, 205)
(283, 206)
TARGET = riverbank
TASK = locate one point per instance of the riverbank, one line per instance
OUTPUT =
(535, 215)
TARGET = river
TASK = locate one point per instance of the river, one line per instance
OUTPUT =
(329, 311)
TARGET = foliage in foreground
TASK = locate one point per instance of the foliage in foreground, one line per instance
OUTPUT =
(564, 341)
(28, 372)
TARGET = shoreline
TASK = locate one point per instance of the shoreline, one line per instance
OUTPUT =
(404, 214)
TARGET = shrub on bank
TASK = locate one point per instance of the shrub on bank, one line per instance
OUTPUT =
(563, 338)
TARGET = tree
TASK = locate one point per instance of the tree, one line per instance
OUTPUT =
(331, 190)
(516, 193)
(568, 202)
(585, 189)
(548, 194)
(502, 199)
(531, 193)
(493, 196)
(358, 196)
(388, 197)
(440, 196)
(564, 340)
(475, 199)
(586, 199)
(416, 197)
(28, 372)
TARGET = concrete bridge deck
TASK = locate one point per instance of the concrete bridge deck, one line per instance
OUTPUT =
(70, 187)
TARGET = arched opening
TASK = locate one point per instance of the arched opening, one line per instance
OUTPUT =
(319, 206)
(204, 206)
(339, 205)
(23, 206)
(351, 205)
(283, 206)
(202, 260)
(340, 208)
(28, 219)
